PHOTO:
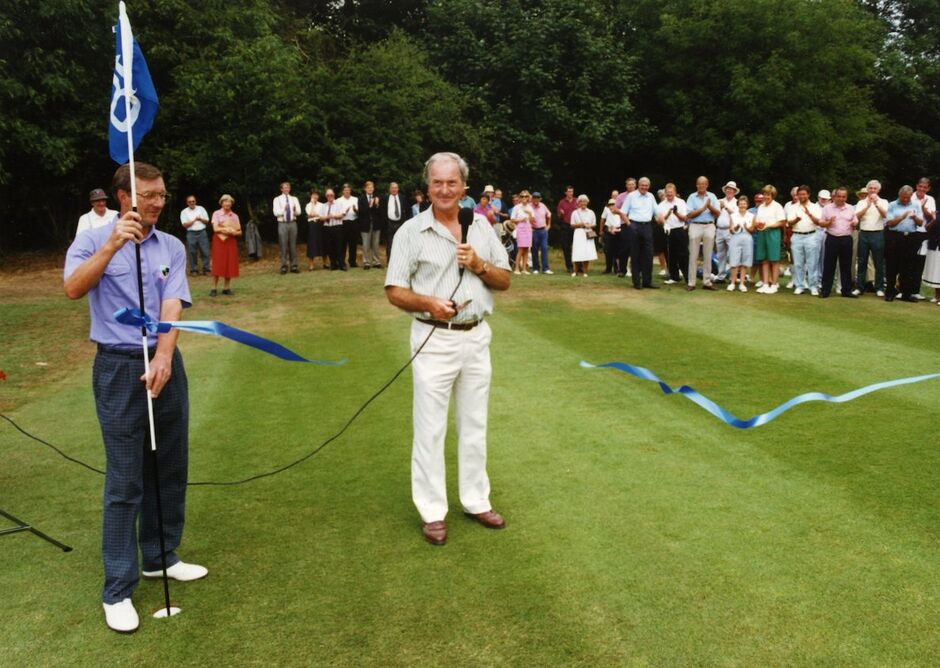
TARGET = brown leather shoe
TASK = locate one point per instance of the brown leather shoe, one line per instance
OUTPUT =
(435, 532)
(490, 519)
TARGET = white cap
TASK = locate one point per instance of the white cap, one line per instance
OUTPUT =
(825, 194)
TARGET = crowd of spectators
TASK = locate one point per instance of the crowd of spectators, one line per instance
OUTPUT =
(887, 248)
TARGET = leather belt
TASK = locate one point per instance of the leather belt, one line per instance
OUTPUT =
(459, 326)
(132, 353)
(811, 232)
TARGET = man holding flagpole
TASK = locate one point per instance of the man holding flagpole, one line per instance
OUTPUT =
(100, 263)
(139, 382)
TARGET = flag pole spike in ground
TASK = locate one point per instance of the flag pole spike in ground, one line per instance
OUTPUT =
(164, 612)
(127, 65)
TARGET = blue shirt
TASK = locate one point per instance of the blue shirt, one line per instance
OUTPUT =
(163, 266)
(497, 207)
(639, 208)
(694, 202)
(896, 209)
(467, 202)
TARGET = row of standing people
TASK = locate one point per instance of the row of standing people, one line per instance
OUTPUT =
(336, 226)
(890, 246)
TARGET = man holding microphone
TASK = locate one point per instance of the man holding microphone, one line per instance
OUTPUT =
(423, 278)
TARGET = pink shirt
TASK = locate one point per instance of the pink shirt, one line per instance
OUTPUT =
(541, 216)
(845, 218)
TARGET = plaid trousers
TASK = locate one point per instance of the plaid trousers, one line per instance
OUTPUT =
(129, 491)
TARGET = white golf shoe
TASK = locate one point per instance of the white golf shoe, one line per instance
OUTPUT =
(121, 617)
(180, 571)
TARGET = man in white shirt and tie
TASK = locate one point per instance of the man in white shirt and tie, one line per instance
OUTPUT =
(396, 211)
(286, 208)
(350, 223)
(99, 216)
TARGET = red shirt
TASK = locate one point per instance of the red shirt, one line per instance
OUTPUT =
(566, 208)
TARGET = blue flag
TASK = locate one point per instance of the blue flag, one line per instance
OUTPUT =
(131, 82)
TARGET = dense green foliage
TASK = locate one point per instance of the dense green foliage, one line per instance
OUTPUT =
(535, 93)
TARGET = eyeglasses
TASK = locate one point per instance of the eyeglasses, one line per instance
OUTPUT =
(151, 196)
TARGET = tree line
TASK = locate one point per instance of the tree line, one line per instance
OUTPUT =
(535, 93)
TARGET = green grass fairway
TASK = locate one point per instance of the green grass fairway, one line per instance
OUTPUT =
(640, 530)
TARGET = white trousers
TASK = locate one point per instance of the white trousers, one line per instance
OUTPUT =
(703, 235)
(458, 362)
(722, 244)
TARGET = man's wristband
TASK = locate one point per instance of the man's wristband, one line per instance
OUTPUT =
(486, 268)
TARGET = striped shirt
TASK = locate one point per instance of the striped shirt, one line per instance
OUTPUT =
(425, 262)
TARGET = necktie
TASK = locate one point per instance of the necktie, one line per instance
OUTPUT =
(397, 210)
(287, 210)
(329, 208)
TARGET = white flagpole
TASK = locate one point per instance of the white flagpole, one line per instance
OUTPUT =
(127, 64)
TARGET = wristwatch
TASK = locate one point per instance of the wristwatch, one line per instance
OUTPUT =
(486, 268)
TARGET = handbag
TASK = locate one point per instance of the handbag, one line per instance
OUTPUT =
(590, 233)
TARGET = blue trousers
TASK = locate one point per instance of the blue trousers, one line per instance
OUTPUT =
(197, 242)
(805, 253)
(874, 243)
(540, 249)
(130, 508)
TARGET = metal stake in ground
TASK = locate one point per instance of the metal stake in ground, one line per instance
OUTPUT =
(168, 610)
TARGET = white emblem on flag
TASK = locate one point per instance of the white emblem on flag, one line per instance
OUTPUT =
(118, 98)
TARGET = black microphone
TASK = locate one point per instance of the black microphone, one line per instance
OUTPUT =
(465, 216)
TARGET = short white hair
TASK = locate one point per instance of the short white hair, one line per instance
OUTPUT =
(873, 182)
(453, 157)
(584, 198)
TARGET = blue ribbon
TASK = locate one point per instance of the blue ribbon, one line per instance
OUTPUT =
(131, 316)
(758, 420)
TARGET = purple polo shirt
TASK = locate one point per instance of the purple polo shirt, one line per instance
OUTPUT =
(844, 218)
(163, 266)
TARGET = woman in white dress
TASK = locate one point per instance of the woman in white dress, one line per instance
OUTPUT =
(932, 263)
(582, 248)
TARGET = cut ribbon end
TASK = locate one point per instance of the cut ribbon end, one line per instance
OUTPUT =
(758, 420)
